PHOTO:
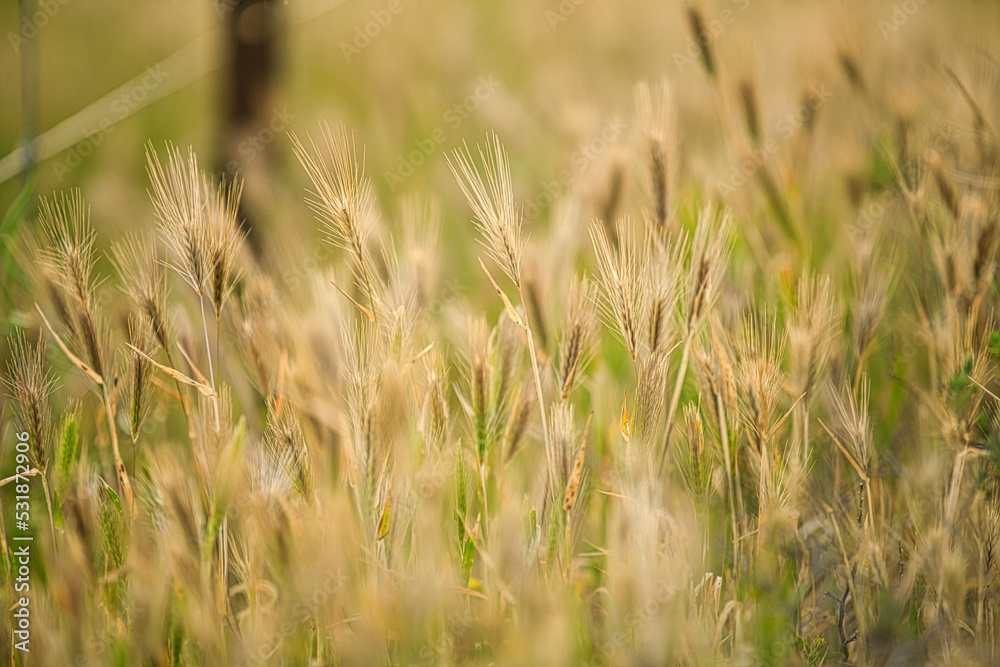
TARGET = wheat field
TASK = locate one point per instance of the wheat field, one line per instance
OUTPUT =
(563, 334)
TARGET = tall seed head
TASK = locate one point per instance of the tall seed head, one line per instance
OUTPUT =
(577, 334)
(658, 133)
(70, 259)
(621, 283)
(29, 386)
(140, 376)
(180, 202)
(651, 380)
(854, 425)
(759, 374)
(225, 238)
(811, 331)
(709, 256)
(143, 280)
(560, 448)
(342, 197)
(517, 423)
(435, 416)
(576, 475)
(491, 197)
(702, 37)
(285, 443)
(661, 279)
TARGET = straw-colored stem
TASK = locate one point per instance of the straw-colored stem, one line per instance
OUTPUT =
(675, 400)
(320, 635)
(486, 508)
(737, 477)
(858, 371)
(211, 369)
(48, 506)
(218, 336)
(534, 370)
(224, 565)
(566, 548)
(956, 480)
(871, 506)
(724, 435)
(123, 479)
(804, 417)
(368, 281)
(182, 397)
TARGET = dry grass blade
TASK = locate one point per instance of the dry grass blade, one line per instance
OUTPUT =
(199, 376)
(79, 363)
(364, 311)
(988, 392)
(13, 478)
(508, 306)
(784, 417)
(843, 450)
(205, 389)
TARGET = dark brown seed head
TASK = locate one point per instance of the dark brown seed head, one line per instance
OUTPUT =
(702, 38)
(852, 70)
(748, 101)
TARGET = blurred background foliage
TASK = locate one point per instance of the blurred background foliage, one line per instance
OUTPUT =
(414, 79)
(564, 70)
